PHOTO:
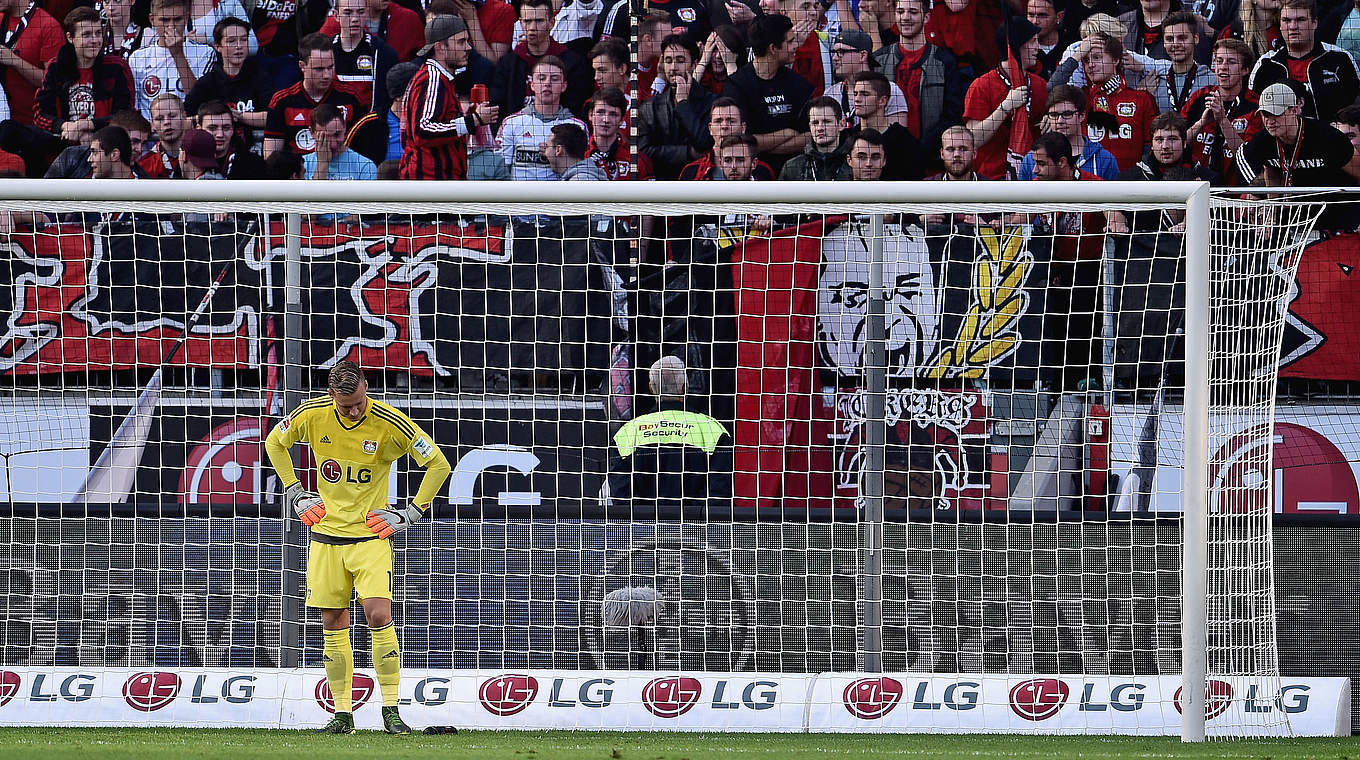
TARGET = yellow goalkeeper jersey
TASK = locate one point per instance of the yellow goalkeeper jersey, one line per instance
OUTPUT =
(354, 459)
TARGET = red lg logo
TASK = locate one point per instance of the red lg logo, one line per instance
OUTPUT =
(671, 697)
(1038, 698)
(362, 689)
(507, 694)
(872, 698)
(1217, 697)
(9, 686)
(148, 692)
(330, 470)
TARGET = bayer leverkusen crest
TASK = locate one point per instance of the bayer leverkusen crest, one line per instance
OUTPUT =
(370, 447)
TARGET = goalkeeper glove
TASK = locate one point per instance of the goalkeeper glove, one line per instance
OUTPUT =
(387, 522)
(307, 505)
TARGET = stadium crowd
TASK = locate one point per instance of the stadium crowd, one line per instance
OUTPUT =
(1256, 91)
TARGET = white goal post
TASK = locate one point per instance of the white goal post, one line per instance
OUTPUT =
(886, 219)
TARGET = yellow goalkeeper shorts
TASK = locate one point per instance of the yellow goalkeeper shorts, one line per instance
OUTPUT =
(334, 573)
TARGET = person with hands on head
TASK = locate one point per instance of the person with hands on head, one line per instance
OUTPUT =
(332, 158)
(355, 440)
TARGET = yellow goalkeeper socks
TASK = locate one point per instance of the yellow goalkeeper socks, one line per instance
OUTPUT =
(387, 662)
(338, 656)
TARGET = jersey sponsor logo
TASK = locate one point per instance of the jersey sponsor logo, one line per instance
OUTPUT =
(334, 472)
(148, 692)
(872, 698)
(305, 139)
(331, 471)
(1038, 698)
(281, 10)
(9, 686)
(671, 697)
(423, 447)
(1126, 109)
(370, 447)
(360, 693)
(151, 86)
(1218, 696)
(507, 694)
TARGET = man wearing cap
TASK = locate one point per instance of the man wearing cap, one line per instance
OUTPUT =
(1003, 100)
(435, 128)
(198, 156)
(850, 55)
(1293, 151)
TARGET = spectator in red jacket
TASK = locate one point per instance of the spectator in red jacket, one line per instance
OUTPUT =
(608, 142)
(1117, 116)
(32, 39)
(169, 122)
(1004, 100)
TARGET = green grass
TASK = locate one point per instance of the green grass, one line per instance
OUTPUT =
(241, 744)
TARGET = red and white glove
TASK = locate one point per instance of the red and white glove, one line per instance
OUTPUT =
(307, 505)
(387, 522)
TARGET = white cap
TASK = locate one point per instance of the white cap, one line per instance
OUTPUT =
(1278, 98)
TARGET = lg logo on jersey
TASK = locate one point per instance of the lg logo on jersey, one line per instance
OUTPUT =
(334, 472)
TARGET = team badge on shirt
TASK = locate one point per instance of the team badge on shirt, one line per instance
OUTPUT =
(370, 447)
(687, 15)
(364, 62)
(1240, 124)
(1127, 109)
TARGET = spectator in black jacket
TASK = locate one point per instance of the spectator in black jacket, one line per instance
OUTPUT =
(509, 86)
(825, 154)
(671, 131)
(74, 162)
(83, 87)
(234, 79)
(1332, 80)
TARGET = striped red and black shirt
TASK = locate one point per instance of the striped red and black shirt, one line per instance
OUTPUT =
(434, 128)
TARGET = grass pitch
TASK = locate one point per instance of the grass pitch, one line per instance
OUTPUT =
(241, 744)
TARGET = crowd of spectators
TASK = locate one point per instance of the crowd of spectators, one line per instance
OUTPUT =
(1236, 91)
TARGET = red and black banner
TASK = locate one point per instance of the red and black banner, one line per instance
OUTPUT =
(431, 298)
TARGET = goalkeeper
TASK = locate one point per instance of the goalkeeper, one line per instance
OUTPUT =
(355, 440)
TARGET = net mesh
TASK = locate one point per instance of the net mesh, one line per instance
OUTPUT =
(984, 483)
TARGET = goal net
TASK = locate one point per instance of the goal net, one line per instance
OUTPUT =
(724, 457)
